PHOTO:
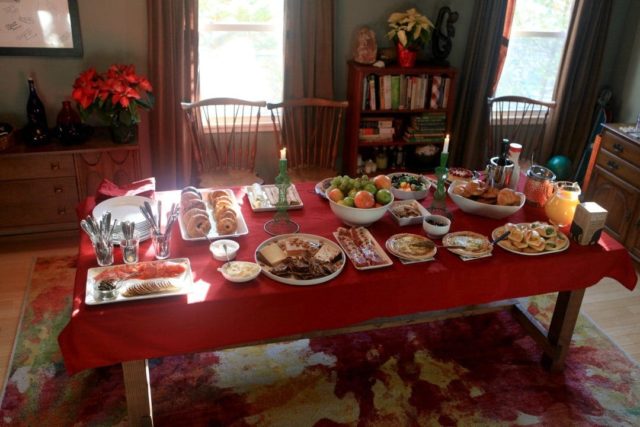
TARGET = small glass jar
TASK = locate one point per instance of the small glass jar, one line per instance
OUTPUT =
(381, 159)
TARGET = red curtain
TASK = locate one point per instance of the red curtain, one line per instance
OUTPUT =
(173, 69)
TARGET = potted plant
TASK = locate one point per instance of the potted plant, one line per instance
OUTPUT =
(116, 97)
(410, 31)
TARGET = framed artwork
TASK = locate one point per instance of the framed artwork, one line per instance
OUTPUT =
(40, 28)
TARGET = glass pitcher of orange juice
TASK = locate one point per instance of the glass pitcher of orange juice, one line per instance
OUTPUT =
(562, 205)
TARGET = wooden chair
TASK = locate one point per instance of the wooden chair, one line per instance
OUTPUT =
(310, 130)
(224, 132)
(519, 119)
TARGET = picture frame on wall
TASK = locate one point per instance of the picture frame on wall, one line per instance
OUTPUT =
(40, 28)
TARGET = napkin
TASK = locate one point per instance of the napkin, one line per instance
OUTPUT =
(107, 189)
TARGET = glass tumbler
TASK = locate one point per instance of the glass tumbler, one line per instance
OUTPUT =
(161, 243)
(104, 253)
(129, 249)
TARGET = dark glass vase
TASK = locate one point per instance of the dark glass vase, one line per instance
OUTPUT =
(68, 126)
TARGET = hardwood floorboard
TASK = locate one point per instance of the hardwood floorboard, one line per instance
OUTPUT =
(614, 308)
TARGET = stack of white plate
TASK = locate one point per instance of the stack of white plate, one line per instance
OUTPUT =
(126, 208)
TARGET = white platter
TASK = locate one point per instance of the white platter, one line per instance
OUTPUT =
(213, 234)
(387, 261)
(268, 206)
(299, 282)
(322, 186)
(126, 208)
(184, 280)
(413, 220)
(499, 230)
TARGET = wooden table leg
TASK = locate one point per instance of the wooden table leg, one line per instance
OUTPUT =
(561, 328)
(138, 392)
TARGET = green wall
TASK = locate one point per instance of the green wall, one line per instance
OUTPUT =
(112, 31)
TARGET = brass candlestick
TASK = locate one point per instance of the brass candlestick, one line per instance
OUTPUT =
(281, 223)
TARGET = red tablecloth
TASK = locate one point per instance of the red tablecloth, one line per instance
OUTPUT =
(220, 313)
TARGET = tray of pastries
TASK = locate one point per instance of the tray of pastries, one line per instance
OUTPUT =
(407, 212)
(210, 214)
(362, 248)
(532, 238)
(300, 259)
(263, 198)
(143, 280)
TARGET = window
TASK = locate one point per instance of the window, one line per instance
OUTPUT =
(240, 49)
(536, 45)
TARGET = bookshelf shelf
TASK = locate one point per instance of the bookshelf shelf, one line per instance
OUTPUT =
(417, 103)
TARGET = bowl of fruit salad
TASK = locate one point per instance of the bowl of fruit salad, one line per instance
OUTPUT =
(409, 186)
(360, 201)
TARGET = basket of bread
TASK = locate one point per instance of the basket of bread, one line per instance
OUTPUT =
(478, 198)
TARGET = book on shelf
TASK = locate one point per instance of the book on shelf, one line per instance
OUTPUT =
(372, 93)
(376, 131)
(400, 91)
(376, 138)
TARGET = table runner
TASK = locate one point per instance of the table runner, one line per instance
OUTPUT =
(219, 313)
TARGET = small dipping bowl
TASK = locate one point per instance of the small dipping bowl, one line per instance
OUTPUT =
(436, 226)
(217, 249)
(105, 290)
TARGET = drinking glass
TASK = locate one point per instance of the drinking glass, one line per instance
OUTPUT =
(129, 250)
(161, 243)
(104, 252)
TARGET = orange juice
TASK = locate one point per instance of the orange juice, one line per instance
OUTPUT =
(561, 208)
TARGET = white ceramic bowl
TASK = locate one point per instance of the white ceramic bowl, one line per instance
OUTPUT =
(405, 195)
(437, 230)
(217, 249)
(483, 209)
(240, 271)
(357, 216)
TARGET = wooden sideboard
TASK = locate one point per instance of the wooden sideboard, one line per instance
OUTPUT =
(41, 186)
(615, 185)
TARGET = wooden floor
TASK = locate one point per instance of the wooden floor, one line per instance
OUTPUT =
(615, 309)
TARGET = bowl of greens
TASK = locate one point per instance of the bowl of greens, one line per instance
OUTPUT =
(406, 186)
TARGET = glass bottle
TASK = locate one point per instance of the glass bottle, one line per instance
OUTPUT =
(68, 124)
(514, 155)
(38, 130)
(381, 159)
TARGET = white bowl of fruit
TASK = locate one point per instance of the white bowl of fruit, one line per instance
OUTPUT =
(360, 201)
(409, 186)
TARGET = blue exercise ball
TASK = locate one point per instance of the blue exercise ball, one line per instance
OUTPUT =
(561, 166)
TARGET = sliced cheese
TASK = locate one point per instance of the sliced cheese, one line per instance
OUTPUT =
(273, 254)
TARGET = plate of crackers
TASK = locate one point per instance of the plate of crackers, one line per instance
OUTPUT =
(478, 198)
(532, 238)
(210, 214)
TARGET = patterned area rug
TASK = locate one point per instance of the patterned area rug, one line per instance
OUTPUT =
(480, 370)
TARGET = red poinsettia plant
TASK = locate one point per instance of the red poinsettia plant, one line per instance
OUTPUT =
(115, 95)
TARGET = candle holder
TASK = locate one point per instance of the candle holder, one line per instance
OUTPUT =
(281, 224)
(438, 204)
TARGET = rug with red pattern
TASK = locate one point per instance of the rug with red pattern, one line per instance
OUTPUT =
(480, 370)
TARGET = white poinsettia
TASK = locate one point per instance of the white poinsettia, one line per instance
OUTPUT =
(411, 29)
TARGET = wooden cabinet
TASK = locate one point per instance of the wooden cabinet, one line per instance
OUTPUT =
(41, 186)
(417, 103)
(615, 185)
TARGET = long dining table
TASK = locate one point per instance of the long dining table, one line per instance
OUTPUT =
(218, 314)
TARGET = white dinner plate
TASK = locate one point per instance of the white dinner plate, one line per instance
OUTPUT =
(300, 282)
(126, 208)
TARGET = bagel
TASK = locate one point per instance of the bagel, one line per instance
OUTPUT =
(226, 226)
(198, 225)
(191, 189)
(222, 202)
(193, 204)
(225, 213)
(191, 213)
(215, 194)
(185, 197)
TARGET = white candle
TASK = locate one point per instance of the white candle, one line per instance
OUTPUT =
(283, 154)
(446, 144)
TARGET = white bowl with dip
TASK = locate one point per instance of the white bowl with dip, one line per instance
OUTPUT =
(218, 252)
(240, 271)
(436, 226)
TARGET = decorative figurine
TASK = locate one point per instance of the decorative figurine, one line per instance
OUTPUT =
(365, 48)
(443, 33)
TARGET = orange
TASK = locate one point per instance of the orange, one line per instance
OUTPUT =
(364, 199)
(382, 181)
(336, 195)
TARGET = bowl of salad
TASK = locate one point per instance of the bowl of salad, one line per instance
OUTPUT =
(406, 186)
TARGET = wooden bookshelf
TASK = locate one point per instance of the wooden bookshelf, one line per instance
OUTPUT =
(366, 82)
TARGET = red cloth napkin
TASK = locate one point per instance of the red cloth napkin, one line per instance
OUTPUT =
(107, 189)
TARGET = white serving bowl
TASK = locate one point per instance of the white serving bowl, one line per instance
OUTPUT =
(240, 271)
(358, 216)
(217, 249)
(483, 209)
(405, 195)
(436, 231)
